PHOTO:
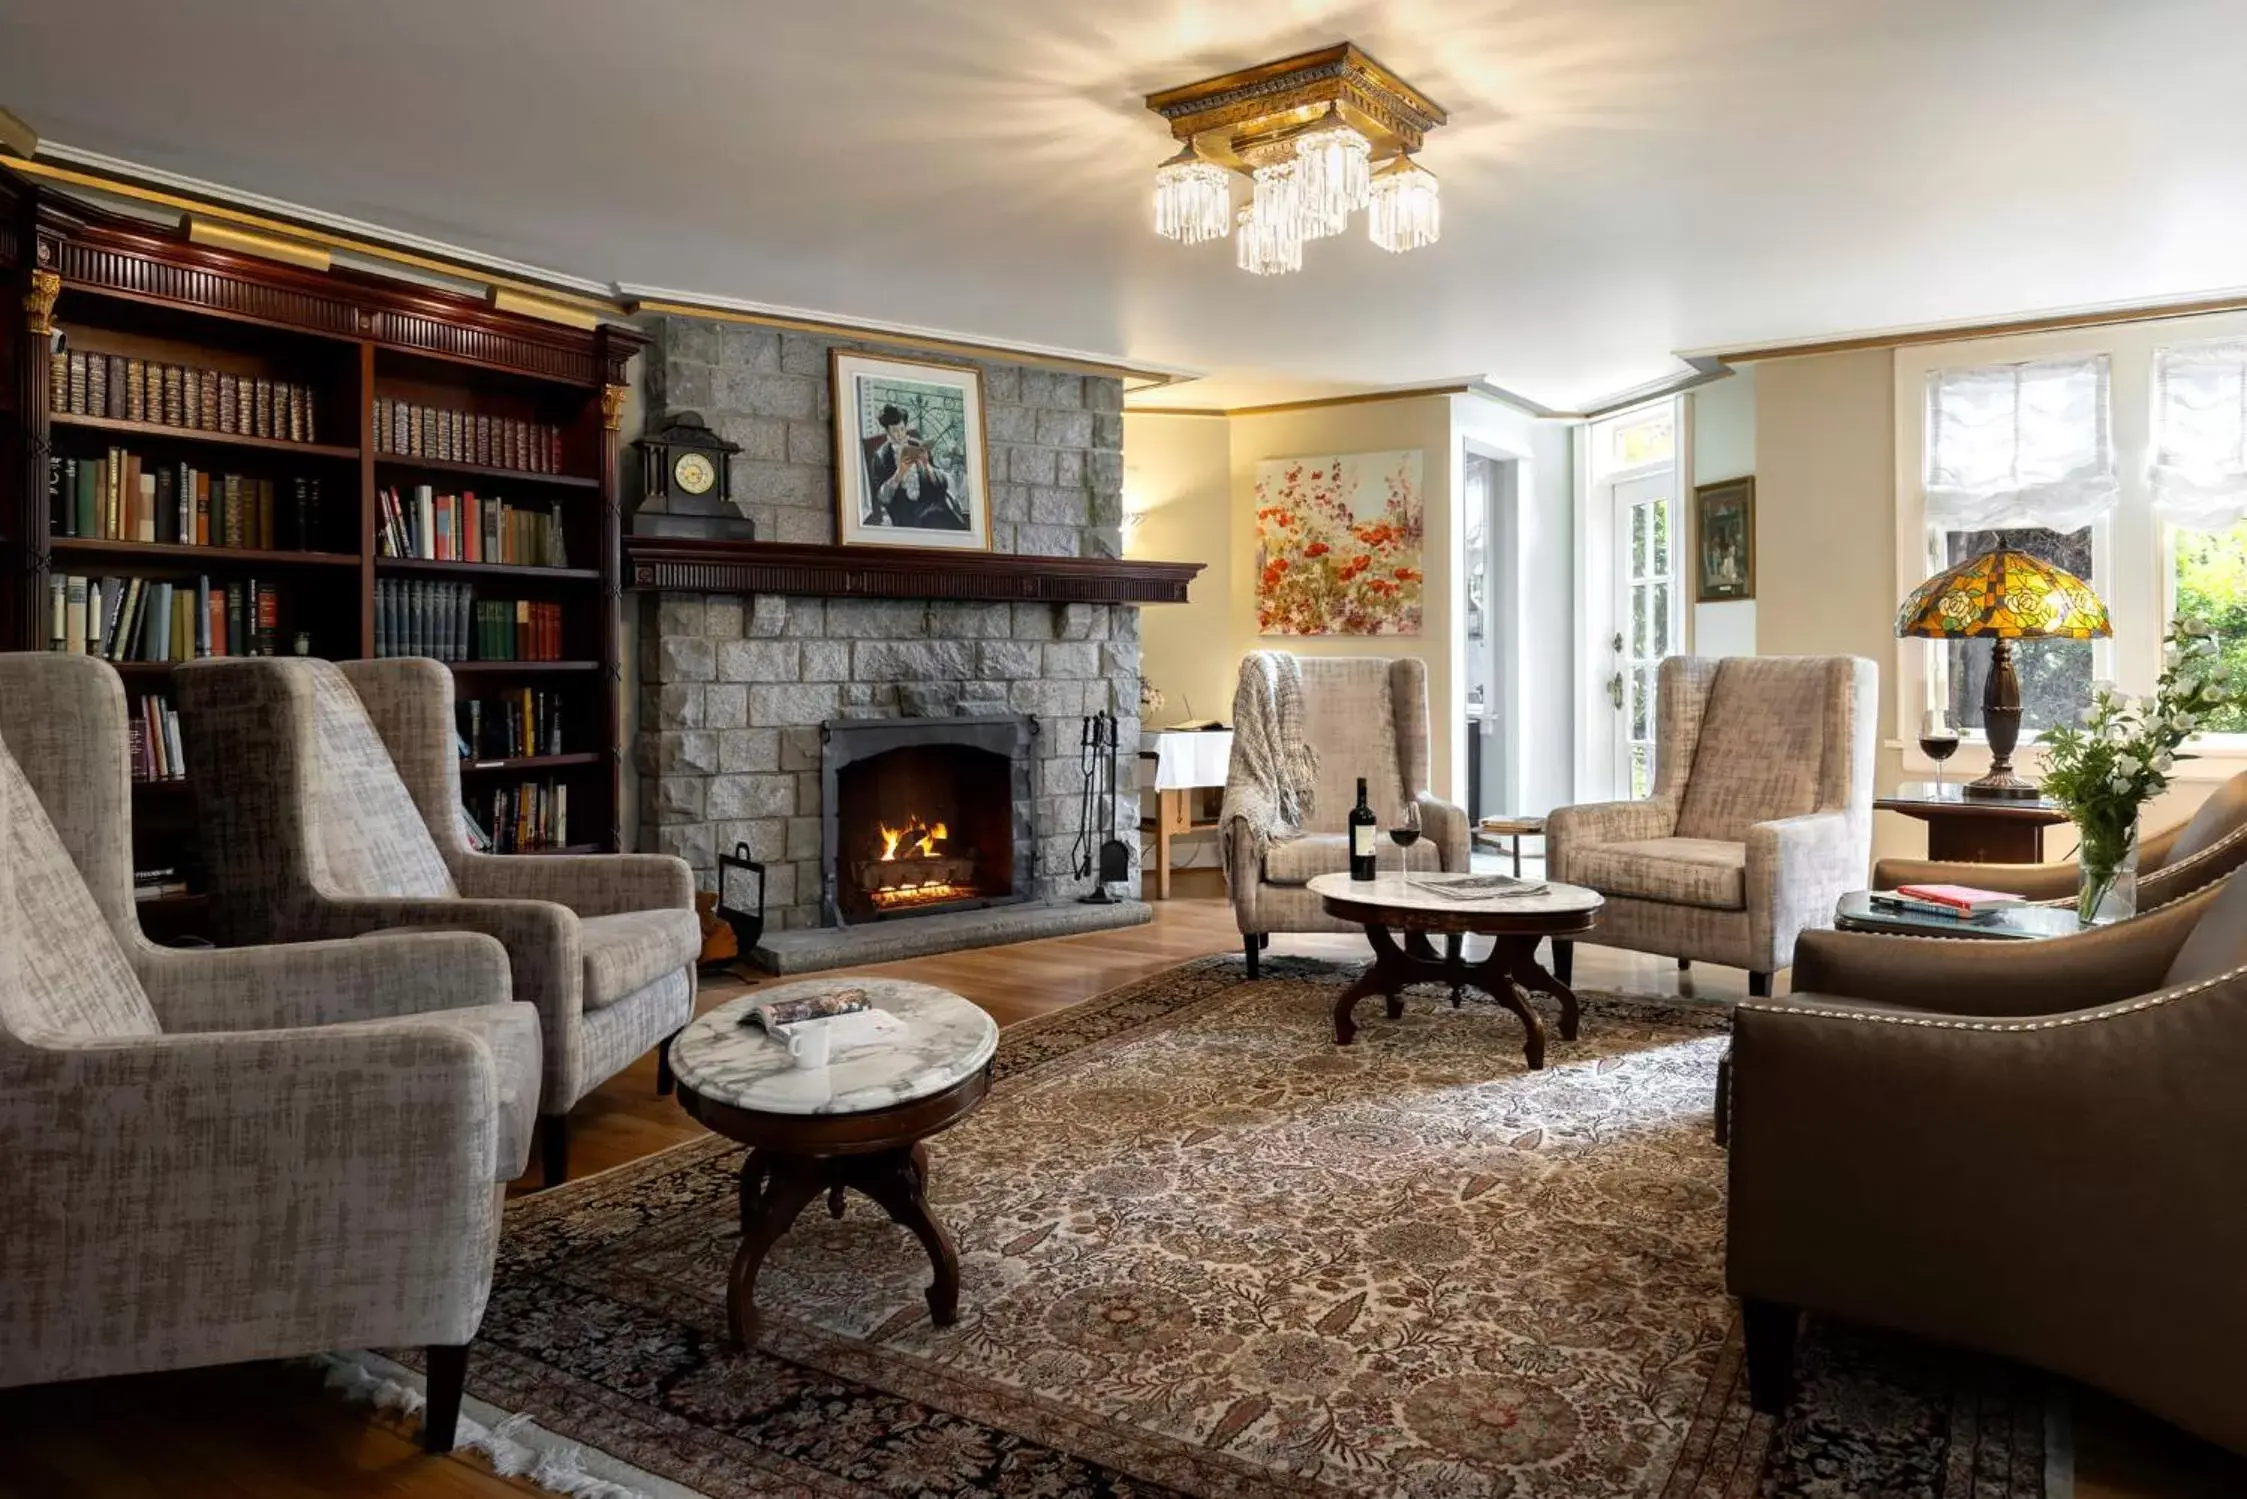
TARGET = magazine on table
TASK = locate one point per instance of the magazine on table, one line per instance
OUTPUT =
(780, 1013)
(1477, 886)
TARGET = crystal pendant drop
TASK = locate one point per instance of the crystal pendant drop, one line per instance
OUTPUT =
(1193, 199)
(1334, 169)
(1268, 247)
(1405, 210)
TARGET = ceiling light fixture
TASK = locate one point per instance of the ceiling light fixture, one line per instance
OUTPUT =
(1305, 130)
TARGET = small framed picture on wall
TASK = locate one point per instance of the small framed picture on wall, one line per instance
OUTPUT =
(909, 454)
(1724, 541)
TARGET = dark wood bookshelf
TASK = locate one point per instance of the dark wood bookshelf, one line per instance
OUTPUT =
(529, 762)
(173, 554)
(125, 289)
(484, 471)
(163, 432)
(484, 569)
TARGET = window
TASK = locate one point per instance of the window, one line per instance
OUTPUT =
(2208, 579)
(2199, 485)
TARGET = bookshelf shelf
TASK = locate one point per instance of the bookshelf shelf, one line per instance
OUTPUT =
(510, 668)
(529, 762)
(160, 554)
(158, 431)
(484, 569)
(138, 294)
(403, 463)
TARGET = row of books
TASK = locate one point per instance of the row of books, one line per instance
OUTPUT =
(121, 497)
(158, 619)
(155, 884)
(200, 400)
(425, 617)
(511, 726)
(519, 819)
(466, 437)
(463, 527)
(154, 745)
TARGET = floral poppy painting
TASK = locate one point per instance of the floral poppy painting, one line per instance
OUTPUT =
(1338, 545)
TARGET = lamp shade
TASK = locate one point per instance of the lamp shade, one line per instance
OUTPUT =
(2005, 594)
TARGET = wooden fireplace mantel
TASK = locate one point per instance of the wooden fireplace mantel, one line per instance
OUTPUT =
(691, 565)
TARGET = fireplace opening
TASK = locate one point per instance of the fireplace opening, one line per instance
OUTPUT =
(924, 815)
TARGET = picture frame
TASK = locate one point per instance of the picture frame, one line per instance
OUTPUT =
(1724, 541)
(911, 457)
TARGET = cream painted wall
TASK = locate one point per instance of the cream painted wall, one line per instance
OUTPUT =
(1178, 506)
(1723, 447)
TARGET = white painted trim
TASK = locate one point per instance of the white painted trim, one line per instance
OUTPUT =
(2145, 308)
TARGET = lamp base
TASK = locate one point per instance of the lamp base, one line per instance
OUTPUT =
(2002, 784)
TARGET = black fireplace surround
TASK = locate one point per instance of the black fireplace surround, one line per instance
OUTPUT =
(922, 815)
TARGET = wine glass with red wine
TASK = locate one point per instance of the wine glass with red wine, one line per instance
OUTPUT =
(1406, 832)
(1938, 741)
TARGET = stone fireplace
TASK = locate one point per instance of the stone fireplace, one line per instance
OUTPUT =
(779, 684)
(924, 815)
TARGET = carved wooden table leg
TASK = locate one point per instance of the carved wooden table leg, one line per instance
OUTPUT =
(1531, 975)
(898, 1181)
(790, 1183)
(1495, 977)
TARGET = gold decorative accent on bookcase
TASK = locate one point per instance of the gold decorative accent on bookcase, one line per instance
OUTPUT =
(612, 406)
(39, 303)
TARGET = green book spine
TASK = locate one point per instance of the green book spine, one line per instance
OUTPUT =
(88, 497)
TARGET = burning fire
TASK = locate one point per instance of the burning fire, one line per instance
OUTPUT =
(892, 897)
(918, 839)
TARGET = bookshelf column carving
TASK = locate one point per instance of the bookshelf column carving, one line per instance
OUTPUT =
(32, 354)
(39, 303)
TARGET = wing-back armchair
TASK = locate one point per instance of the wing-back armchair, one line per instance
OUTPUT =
(329, 798)
(2027, 1148)
(1761, 816)
(223, 1155)
(1363, 716)
(2171, 864)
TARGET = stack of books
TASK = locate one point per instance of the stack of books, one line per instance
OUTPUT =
(1960, 903)
(466, 437)
(516, 725)
(532, 816)
(115, 386)
(160, 619)
(122, 497)
(417, 617)
(464, 528)
(154, 744)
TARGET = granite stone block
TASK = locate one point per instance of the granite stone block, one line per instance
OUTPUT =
(725, 705)
(782, 706)
(759, 660)
(748, 749)
(911, 660)
(1067, 429)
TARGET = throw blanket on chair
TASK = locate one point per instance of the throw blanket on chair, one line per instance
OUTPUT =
(1268, 786)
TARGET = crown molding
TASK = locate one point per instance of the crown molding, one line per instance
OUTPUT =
(2095, 315)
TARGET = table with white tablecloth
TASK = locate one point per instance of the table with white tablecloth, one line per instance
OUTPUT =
(1184, 762)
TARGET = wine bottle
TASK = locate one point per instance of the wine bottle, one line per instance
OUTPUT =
(1361, 837)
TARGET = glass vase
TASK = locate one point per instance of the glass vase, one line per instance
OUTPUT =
(2108, 860)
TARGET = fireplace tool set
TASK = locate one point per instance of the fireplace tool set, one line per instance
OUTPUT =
(1100, 855)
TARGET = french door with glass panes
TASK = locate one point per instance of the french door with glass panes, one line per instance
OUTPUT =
(1649, 615)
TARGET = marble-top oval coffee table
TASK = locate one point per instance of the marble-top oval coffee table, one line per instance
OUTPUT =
(856, 1123)
(1389, 904)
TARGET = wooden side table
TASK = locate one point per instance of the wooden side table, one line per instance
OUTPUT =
(1975, 830)
(1491, 829)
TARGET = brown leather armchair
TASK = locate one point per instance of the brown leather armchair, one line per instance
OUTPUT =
(2171, 864)
(2028, 1149)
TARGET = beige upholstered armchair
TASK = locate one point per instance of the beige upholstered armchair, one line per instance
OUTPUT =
(222, 1155)
(2171, 864)
(1761, 816)
(2027, 1148)
(329, 798)
(1364, 716)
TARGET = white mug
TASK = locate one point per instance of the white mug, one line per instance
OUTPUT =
(809, 1043)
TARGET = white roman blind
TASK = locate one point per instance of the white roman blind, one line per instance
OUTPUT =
(2200, 434)
(2011, 445)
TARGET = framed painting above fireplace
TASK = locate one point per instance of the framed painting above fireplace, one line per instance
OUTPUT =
(909, 453)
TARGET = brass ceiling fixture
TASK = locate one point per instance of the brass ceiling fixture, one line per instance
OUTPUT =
(1319, 136)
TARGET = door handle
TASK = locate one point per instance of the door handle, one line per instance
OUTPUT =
(1615, 691)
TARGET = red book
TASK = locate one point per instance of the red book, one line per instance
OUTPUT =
(1965, 898)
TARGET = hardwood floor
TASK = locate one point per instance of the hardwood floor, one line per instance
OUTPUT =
(271, 1431)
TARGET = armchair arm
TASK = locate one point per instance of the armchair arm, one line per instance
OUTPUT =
(320, 983)
(1594, 823)
(590, 884)
(1445, 826)
(1797, 867)
(213, 1198)
(1961, 976)
(1910, 1172)
(1244, 872)
(2036, 882)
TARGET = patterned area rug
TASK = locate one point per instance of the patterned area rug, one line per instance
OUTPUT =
(1206, 1252)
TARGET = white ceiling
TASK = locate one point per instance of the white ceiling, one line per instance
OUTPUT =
(1622, 178)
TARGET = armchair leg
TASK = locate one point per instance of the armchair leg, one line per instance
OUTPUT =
(1723, 1129)
(1684, 964)
(1564, 961)
(1255, 946)
(1769, 1329)
(1759, 985)
(554, 1147)
(664, 1081)
(440, 1415)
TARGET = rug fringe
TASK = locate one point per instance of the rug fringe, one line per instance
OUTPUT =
(514, 1444)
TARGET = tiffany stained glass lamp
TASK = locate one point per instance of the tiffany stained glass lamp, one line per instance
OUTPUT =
(2005, 596)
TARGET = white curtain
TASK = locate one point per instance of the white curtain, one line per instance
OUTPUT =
(2012, 445)
(2200, 434)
